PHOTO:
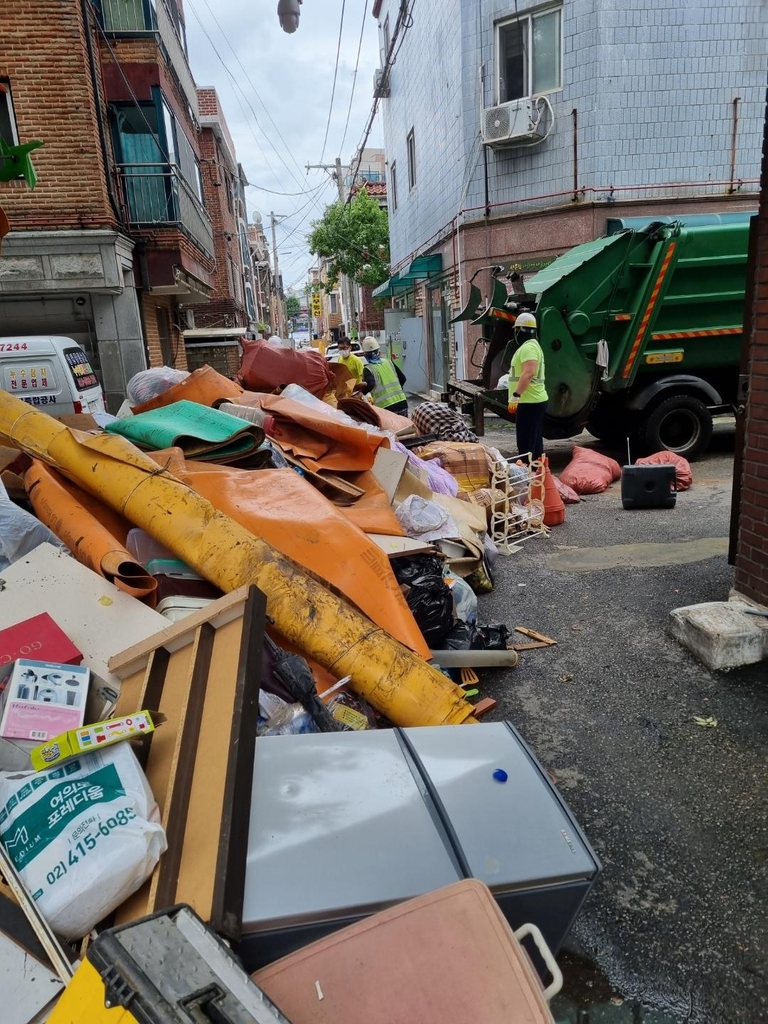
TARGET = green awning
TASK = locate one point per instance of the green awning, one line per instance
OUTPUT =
(563, 265)
(418, 269)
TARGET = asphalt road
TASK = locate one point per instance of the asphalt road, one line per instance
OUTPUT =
(675, 929)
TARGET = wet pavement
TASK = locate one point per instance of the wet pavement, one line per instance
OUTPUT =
(675, 929)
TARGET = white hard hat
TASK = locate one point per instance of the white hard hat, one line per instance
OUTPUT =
(525, 320)
(370, 345)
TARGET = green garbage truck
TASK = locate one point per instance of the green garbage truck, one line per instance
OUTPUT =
(641, 331)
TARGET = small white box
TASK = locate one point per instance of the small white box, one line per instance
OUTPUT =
(42, 699)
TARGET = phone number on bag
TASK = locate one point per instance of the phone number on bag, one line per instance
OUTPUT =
(89, 842)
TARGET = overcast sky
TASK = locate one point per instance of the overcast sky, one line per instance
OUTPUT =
(291, 78)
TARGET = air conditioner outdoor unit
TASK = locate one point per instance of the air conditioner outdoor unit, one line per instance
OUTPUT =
(516, 121)
(380, 84)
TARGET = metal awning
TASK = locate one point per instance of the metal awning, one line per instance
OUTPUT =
(418, 269)
(196, 333)
(563, 265)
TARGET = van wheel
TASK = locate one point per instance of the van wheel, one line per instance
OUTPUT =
(681, 424)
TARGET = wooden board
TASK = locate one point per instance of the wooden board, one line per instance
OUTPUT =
(200, 763)
(400, 547)
(388, 468)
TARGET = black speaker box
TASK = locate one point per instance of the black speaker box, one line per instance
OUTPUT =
(648, 487)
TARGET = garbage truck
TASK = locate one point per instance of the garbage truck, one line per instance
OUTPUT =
(641, 332)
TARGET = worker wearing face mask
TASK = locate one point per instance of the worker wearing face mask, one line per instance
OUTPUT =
(353, 363)
(527, 391)
(383, 380)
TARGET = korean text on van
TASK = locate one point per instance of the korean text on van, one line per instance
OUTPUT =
(51, 373)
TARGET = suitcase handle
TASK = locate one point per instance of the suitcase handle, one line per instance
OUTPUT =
(541, 944)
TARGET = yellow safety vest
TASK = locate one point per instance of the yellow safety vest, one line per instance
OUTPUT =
(387, 391)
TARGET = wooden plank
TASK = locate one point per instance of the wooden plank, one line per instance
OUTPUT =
(483, 707)
(229, 890)
(178, 634)
(197, 867)
(400, 547)
(536, 636)
(183, 769)
(530, 647)
(176, 683)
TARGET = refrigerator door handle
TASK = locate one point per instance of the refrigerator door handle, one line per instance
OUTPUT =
(557, 978)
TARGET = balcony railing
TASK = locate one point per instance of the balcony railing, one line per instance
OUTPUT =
(153, 17)
(156, 194)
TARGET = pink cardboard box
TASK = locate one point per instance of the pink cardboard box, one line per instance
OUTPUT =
(42, 699)
(39, 638)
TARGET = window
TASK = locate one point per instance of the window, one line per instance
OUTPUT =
(528, 55)
(393, 178)
(8, 132)
(333, 303)
(386, 41)
(410, 143)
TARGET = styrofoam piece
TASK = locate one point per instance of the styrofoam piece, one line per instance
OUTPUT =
(721, 634)
(97, 617)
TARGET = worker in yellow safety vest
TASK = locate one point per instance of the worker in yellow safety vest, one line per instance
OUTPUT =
(353, 363)
(527, 391)
(383, 380)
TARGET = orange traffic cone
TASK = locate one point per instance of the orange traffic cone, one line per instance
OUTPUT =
(554, 509)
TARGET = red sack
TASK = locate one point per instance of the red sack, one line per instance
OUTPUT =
(589, 472)
(683, 474)
(569, 496)
(266, 367)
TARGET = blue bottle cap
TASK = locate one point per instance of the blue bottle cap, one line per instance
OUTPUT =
(500, 775)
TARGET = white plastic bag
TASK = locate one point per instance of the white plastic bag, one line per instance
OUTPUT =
(425, 520)
(148, 384)
(20, 532)
(83, 836)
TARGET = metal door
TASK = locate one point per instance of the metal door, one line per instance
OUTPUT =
(414, 362)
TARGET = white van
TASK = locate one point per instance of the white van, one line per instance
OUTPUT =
(52, 373)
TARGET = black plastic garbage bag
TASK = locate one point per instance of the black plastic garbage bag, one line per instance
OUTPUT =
(460, 638)
(408, 569)
(292, 671)
(431, 602)
(490, 638)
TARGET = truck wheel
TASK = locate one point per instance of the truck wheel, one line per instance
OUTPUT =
(681, 424)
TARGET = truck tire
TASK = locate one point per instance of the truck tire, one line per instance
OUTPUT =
(681, 424)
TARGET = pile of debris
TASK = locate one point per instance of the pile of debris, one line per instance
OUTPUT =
(232, 620)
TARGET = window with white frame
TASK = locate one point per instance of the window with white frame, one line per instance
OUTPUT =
(410, 143)
(8, 132)
(393, 180)
(529, 55)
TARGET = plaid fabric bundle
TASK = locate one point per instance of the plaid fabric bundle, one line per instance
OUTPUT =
(446, 423)
(468, 464)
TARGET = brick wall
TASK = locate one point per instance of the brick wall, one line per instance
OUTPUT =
(227, 307)
(43, 53)
(752, 549)
(163, 306)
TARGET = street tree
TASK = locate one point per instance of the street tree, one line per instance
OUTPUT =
(292, 306)
(354, 236)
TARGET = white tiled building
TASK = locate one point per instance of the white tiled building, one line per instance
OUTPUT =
(648, 108)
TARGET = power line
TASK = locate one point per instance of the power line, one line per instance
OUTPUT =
(234, 80)
(404, 22)
(255, 90)
(354, 78)
(335, 74)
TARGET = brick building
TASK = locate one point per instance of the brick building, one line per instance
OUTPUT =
(515, 130)
(231, 310)
(68, 263)
(154, 122)
(749, 539)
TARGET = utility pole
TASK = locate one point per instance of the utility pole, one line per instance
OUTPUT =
(348, 286)
(273, 220)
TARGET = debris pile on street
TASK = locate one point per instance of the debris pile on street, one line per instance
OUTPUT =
(219, 574)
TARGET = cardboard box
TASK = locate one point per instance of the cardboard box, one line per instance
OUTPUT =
(77, 742)
(39, 638)
(42, 699)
